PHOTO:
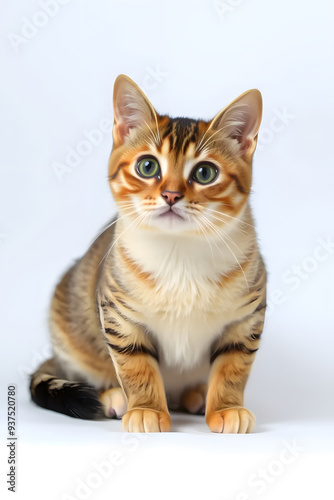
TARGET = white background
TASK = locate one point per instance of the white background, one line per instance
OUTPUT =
(191, 58)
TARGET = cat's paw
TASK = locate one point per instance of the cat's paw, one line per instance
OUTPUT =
(193, 400)
(146, 420)
(114, 402)
(237, 420)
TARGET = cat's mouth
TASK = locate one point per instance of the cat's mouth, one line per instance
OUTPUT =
(170, 214)
(171, 219)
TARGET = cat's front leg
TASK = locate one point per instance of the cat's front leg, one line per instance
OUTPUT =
(232, 358)
(136, 364)
(142, 383)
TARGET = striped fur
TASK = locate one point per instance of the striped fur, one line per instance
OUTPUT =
(172, 295)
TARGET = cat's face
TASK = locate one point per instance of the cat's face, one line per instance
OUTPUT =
(181, 175)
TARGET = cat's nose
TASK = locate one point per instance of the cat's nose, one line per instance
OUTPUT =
(171, 197)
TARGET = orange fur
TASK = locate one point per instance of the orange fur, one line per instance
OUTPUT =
(170, 283)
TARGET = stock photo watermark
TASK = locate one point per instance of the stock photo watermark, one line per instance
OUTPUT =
(102, 470)
(36, 358)
(30, 27)
(153, 78)
(259, 481)
(297, 274)
(93, 138)
(277, 123)
(11, 438)
(226, 7)
(75, 155)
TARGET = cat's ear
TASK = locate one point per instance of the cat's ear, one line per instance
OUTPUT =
(241, 121)
(132, 109)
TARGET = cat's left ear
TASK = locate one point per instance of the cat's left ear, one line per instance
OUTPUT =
(241, 121)
(132, 109)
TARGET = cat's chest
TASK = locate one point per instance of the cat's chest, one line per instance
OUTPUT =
(183, 306)
(185, 324)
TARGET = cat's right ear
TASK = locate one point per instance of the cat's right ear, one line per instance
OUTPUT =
(132, 109)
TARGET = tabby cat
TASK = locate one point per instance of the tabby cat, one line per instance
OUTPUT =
(167, 307)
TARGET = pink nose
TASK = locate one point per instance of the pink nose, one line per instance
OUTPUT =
(171, 197)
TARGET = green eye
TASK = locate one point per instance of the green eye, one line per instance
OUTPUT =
(148, 167)
(205, 173)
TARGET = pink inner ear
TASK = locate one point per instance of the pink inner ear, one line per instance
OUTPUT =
(242, 134)
(238, 136)
(122, 130)
(246, 144)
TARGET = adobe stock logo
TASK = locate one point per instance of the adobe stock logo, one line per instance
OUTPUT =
(298, 273)
(277, 123)
(101, 472)
(265, 476)
(36, 358)
(223, 8)
(93, 138)
(31, 27)
(74, 155)
(154, 77)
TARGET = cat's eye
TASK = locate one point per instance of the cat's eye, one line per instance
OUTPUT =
(148, 167)
(205, 173)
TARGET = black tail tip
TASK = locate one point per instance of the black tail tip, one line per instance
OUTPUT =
(76, 400)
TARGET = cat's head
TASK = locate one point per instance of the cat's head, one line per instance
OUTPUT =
(178, 174)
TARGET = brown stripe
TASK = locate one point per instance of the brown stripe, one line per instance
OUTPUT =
(255, 336)
(134, 349)
(121, 165)
(228, 348)
(260, 307)
(168, 130)
(240, 188)
(111, 331)
(254, 299)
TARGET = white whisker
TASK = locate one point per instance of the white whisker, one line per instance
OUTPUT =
(218, 248)
(201, 146)
(202, 228)
(227, 222)
(221, 237)
(106, 255)
(111, 224)
(230, 216)
(210, 139)
(200, 142)
(156, 137)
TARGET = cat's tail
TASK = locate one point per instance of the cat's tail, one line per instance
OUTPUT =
(75, 399)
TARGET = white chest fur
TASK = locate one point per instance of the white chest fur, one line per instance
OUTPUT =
(186, 309)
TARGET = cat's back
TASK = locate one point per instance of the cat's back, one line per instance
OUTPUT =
(73, 307)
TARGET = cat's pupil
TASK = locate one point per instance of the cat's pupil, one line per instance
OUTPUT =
(148, 165)
(204, 172)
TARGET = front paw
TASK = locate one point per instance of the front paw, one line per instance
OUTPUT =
(237, 420)
(146, 420)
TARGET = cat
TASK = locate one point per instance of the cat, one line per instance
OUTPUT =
(166, 308)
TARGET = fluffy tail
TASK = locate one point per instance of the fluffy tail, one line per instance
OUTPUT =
(71, 398)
